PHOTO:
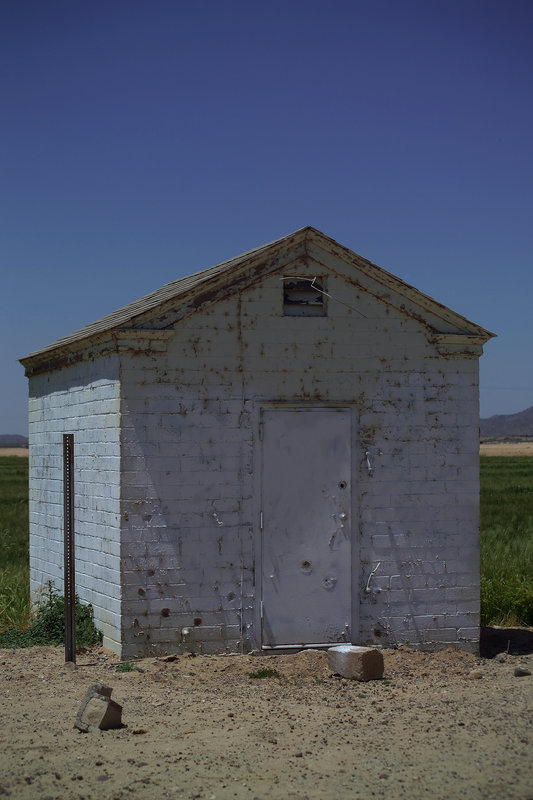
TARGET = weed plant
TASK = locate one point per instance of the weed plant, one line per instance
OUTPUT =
(265, 672)
(507, 541)
(47, 626)
(127, 666)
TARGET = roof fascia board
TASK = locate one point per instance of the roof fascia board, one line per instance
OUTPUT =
(58, 358)
(115, 341)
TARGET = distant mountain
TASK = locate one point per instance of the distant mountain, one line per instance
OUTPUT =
(503, 425)
(12, 440)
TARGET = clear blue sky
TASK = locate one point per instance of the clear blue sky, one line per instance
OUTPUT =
(142, 141)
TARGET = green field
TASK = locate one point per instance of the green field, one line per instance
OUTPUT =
(14, 572)
(506, 541)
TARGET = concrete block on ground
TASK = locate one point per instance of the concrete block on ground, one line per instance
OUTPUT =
(97, 711)
(357, 663)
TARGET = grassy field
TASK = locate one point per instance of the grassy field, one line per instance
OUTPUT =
(506, 541)
(14, 572)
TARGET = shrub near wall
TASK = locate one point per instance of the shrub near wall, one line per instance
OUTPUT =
(47, 626)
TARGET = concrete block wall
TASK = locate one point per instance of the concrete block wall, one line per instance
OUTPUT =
(420, 512)
(189, 484)
(188, 573)
(189, 549)
(83, 399)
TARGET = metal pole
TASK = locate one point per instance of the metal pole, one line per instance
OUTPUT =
(68, 550)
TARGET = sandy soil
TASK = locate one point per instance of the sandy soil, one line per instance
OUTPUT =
(200, 727)
(506, 449)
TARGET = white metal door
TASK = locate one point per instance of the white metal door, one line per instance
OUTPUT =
(306, 552)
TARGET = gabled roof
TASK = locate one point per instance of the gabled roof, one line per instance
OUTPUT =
(200, 287)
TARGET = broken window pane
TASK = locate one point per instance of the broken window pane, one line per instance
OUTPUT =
(304, 297)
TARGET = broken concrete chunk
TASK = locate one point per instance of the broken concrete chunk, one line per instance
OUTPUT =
(97, 711)
(521, 672)
(358, 663)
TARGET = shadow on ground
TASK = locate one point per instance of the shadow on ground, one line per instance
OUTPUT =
(516, 641)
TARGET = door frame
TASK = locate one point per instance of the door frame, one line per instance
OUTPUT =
(257, 522)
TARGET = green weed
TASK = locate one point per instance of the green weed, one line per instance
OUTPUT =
(127, 666)
(265, 672)
(47, 626)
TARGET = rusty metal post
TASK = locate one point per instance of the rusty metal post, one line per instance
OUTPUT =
(69, 568)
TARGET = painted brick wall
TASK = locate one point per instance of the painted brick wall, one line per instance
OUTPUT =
(187, 461)
(420, 505)
(82, 399)
(190, 479)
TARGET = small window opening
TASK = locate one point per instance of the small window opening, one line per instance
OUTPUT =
(304, 297)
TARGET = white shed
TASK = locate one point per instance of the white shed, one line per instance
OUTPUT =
(279, 451)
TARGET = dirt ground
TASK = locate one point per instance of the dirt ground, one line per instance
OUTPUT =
(506, 449)
(14, 451)
(442, 726)
(445, 725)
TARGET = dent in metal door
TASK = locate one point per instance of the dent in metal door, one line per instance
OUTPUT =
(306, 552)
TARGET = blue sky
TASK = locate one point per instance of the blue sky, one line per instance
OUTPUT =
(142, 141)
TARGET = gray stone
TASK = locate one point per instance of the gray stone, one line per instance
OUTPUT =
(97, 711)
(357, 663)
(521, 672)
